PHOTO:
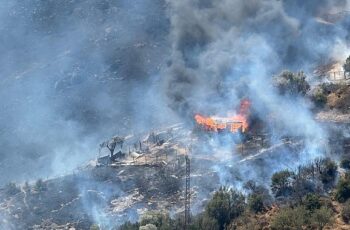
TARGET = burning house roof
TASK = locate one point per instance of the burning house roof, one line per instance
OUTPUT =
(236, 123)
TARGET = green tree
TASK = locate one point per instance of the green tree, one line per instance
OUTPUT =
(159, 219)
(289, 83)
(312, 202)
(319, 97)
(40, 186)
(342, 191)
(205, 222)
(328, 171)
(345, 163)
(225, 205)
(256, 203)
(281, 183)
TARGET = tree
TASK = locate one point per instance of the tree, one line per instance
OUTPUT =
(345, 163)
(321, 217)
(256, 203)
(205, 222)
(289, 83)
(346, 65)
(226, 204)
(281, 183)
(328, 170)
(40, 186)
(312, 202)
(342, 191)
(159, 219)
(319, 97)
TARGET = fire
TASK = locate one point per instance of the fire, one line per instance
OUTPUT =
(232, 124)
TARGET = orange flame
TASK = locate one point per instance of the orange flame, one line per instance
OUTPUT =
(232, 124)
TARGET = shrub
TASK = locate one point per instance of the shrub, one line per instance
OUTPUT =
(281, 183)
(342, 191)
(156, 218)
(345, 163)
(206, 222)
(245, 222)
(290, 218)
(40, 186)
(321, 217)
(345, 213)
(289, 83)
(256, 203)
(319, 97)
(226, 204)
(312, 202)
(329, 171)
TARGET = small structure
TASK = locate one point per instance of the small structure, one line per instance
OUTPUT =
(332, 72)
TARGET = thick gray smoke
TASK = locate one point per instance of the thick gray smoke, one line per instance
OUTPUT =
(223, 51)
(74, 73)
(218, 47)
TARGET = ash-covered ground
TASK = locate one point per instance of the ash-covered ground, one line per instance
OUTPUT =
(150, 175)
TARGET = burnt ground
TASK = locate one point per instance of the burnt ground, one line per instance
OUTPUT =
(111, 195)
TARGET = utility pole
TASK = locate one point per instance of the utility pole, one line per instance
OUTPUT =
(187, 193)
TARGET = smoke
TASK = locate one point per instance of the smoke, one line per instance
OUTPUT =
(74, 73)
(218, 45)
(223, 51)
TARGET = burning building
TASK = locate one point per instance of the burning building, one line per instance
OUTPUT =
(233, 124)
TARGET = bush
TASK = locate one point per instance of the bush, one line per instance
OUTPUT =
(40, 186)
(319, 97)
(12, 189)
(345, 163)
(256, 203)
(329, 171)
(289, 83)
(245, 222)
(342, 191)
(290, 218)
(205, 222)
(156, 218)
(226, 204)
(312, 202)
(345, 213)
(321, 217)
(281, 183)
